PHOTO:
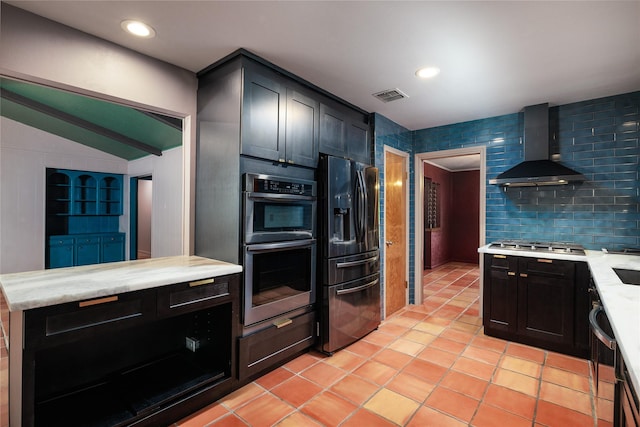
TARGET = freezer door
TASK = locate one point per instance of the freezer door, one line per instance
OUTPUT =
(351, 267)
(350, 311)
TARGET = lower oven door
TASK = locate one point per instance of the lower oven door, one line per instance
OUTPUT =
(351, 311)
(603, 349)
(278, 278)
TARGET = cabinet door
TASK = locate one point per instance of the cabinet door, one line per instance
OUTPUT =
(60, 252)
(333, 131)
(263, 115)
(500, 294)
(546, 303)
(358, 145)
(302, 129)
(112, 247)
(87, 250)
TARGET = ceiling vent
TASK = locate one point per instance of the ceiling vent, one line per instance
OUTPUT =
(390, 95)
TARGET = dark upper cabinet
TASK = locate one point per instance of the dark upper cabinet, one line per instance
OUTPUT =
(302, 129)
(345, 133)
(279, 122)
(263, 115)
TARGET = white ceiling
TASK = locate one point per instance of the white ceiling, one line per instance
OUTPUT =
(495, 57)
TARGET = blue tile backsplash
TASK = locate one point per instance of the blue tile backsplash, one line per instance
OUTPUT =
(598, 138)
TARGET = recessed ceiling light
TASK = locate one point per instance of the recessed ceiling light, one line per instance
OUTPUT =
(138, 28)
(428, 72)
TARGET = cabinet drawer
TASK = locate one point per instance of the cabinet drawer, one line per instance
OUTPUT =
(72, 321)
(196, 295)
(547, 267)
(266, 348)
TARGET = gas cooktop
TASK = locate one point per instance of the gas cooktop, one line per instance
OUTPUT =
(525, 245)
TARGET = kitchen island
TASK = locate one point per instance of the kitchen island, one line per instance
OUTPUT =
(134, 342)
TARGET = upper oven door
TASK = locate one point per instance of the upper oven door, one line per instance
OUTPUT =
(278, 209)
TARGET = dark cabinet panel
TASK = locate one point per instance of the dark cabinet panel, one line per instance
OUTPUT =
(536, 301)
(546, 291)
(333, 131)
(265, 349)
(143, 358)
(302, 129)
(345, 133)
(279, 121)
(500, 298)
(263, 115)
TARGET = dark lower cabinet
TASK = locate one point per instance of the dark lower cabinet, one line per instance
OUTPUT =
(143, 358)
(537, 301)
(263, 350)
(626, 402)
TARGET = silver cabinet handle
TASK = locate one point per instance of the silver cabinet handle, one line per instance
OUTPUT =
(389, 242)
(597, 330)
(356, 263)
(357, 288)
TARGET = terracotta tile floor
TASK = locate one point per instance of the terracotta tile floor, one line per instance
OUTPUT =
(427, 365)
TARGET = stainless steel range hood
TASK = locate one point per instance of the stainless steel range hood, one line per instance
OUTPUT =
(537, 168)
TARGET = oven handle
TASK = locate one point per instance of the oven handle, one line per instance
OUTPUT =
(279, 197)
(356, 263)
(270, 247)
(597, 330)
(357, 288)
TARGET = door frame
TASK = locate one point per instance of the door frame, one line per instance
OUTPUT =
(406, 159)
(420, 158)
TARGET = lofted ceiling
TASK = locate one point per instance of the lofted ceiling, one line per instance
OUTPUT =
(495, 57)
(122, 131)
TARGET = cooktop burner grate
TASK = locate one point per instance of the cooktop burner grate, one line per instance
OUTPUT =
(525, 245)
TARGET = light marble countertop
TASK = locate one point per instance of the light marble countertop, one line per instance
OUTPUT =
(621, 302)
(41, 288)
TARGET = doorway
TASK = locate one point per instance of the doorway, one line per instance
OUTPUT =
(456, 159)
(141, 209)
(396, 230)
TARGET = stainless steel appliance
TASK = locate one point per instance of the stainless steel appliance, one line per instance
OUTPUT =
(278, 209)
(279, 250)
(350, 264)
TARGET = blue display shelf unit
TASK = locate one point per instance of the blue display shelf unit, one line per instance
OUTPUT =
(82, 218)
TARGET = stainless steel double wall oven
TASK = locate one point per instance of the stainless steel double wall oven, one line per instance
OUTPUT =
(279, 246)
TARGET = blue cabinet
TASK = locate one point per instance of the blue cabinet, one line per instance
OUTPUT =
(87, 250)
(112, 247)
(84, 249)
(82, 225)
(60, 252)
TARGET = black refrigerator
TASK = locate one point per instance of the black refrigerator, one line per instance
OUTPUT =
(349, 248)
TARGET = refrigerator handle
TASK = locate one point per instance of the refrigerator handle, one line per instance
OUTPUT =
(361, 202)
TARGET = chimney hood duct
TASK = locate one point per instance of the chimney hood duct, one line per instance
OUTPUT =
(537, 168)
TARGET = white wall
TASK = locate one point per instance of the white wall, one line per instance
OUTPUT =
(166, 218)
(25, 153)
(145, 205)
(42, 51)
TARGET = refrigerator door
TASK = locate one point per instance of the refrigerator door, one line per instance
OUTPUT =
(350, 204)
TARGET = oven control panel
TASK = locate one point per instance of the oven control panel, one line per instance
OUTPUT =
(279, 185)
